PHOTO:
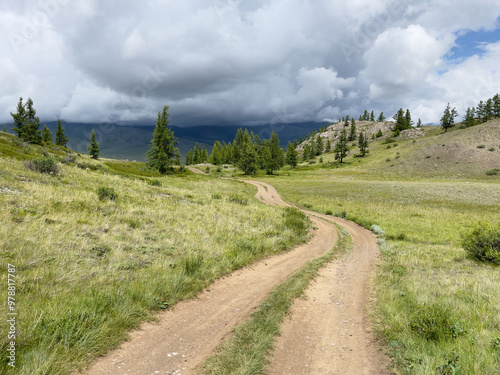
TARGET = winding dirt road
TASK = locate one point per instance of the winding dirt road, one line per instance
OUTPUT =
(325, 334)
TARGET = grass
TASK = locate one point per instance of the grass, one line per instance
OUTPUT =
(90, 270)
(436, 306)
(247, 352)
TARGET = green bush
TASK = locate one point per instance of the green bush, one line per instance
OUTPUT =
(45, 164)
(492, 172)
(483, 242)
(106, 193)
(295, 220)
(155, 182)
(433, 322)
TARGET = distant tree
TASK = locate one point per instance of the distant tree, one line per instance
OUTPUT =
(352, 132)
(496, 106)
(277, 157)
(163, 154)
(61, 139)
(448, 119)
(319, 145)
(408, 120)
(419, 123)
(32, 132)
(203, 155)
(379, 133)
(19, 119)
(401, 122)
(488, 110)
(360, 118)
(189, 157)
(346, 122)
(46, 135)
(291, 155)
(248, 160)
(469, 119)
(381, 117)
(328, 147)
(94, 146)
(216, 154)
(363, 144)
(341, 147)
(372, 116)
(480, 110)
(366, 116)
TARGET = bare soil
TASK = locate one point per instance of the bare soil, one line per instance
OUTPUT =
(327, 333)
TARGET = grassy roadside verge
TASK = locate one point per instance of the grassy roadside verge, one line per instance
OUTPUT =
(247, 352)
(89, 270)
(437, 309)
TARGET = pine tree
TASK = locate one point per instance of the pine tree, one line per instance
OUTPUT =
(488, 110)
(163, 153)
(379, 133)
(275, 157)
(419, 123)
(366, 116)
(352, 132)
(189, 157)
(480, 112)
(328, 147)
(31, 131)
(381, 117)
(248, 160)
(19, 119)
(408, 120)
(291, 156)
(216, 154)
(341, 147)
(469, 119)
(401, 123)
(496, 106)
(363, 144)
(448, 119)
(319, 145)
(61, 139)
(94, 146)
(372, 116)
(46, 135)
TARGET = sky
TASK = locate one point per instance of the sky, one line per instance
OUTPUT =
(246, 62)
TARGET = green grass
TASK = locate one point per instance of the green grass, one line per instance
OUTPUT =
(88, 271)
(247, 352)
(434, 302)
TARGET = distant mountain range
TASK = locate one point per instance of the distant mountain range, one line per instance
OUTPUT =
(132, 142)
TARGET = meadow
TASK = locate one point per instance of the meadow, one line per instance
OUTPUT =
(89, 270)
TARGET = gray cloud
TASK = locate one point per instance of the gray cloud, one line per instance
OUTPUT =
(230, 61)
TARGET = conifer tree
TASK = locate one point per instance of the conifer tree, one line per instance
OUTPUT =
(31, 131)
(189, 157)
(448, 119)
(341, 147)
(248, 160)
(94, 146)
(216, 154)
(61, 139)
(496, 106)
(274, 159)
(381, 117)
(352, 132)
(19, 119)
(291, 156)
(419, 123)
(363, 144)
(319, 145)
(469, 119)
(372, 116)
(163, 153)
(328, 147)
(46, 135)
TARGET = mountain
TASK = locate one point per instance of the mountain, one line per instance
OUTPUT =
(132, 142)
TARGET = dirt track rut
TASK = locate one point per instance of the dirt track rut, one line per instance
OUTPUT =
(190, 332)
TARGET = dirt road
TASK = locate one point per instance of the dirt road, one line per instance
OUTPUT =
(189, 333)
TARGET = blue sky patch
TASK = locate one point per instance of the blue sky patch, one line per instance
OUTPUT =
(471, 43)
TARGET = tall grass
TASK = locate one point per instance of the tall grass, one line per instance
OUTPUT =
(89, 270)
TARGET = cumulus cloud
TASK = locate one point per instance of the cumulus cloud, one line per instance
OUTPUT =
(230, 61)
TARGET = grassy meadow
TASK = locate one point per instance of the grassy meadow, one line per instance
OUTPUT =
(89, 270)
(437, 309)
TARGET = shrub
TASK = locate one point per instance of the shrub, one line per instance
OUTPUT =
(295, 220)
(483, 242)
(155, 182)
(85, 165)
(328, 212)
(45, 164)
(481, 146)
(69, 158)
(491, 149)
(106, 193)
(433, 322)
(492, 172)
(377, 230)
(238, 199)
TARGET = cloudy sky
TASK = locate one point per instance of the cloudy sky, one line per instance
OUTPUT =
(246, 62)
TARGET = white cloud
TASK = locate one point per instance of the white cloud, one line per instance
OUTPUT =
(239, 62)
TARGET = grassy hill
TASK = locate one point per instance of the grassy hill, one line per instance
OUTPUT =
(88, 269)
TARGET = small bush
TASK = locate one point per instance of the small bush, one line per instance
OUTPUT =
(483, 242)
(69, 158)
(238, 199)
(106, 193)
(328, 212)
(295, 220)
(389, 140)
(155, 182)
(481, 146)
(492, 172)
(85, 165)
(432, 322)
(377, 230)
(45, 164)
(491, 149)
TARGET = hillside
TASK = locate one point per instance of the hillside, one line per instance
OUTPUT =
(425, 151)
